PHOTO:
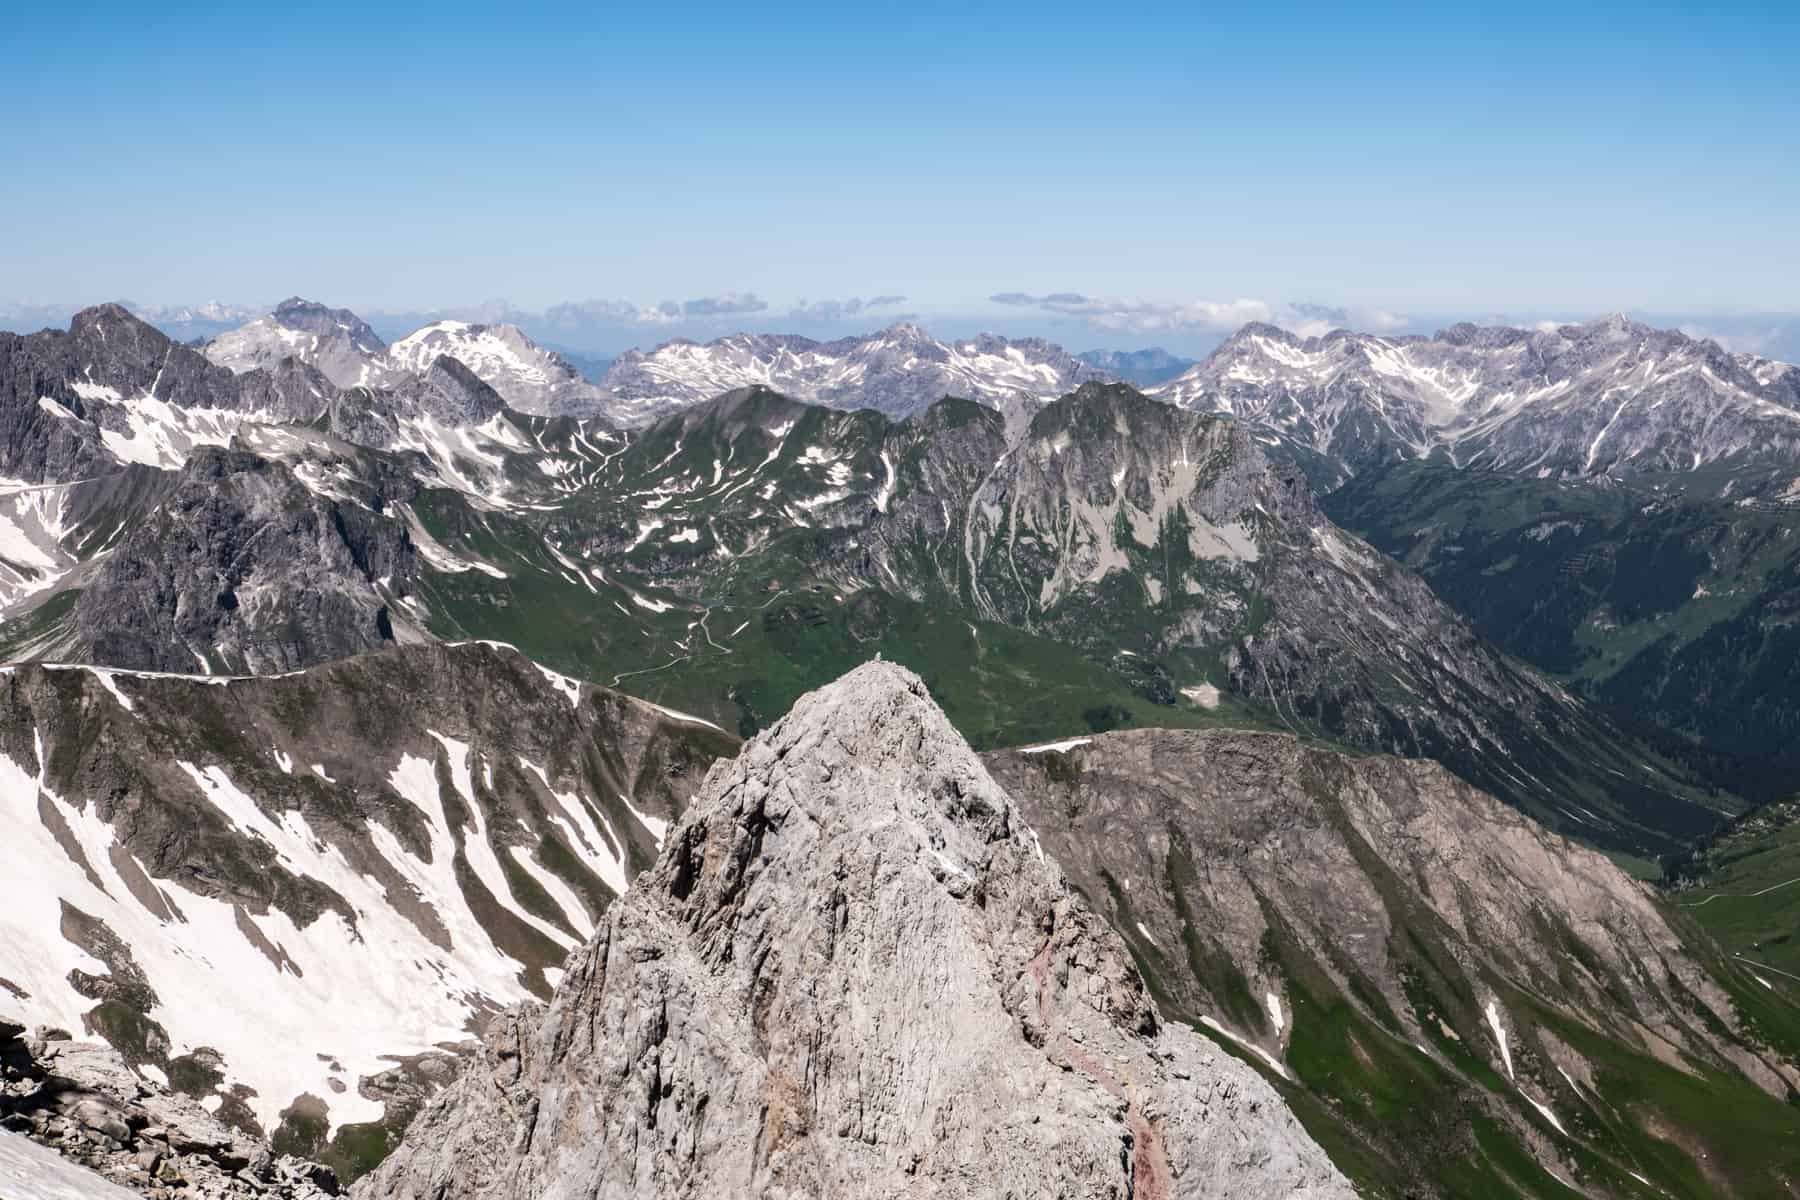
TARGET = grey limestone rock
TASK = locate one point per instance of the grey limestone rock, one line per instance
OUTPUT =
(84, 1101)
(334, 341)
(245, 569)
(853, 972)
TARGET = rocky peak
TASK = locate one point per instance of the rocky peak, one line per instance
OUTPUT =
(1616, 322)
(309, 316)
(741, 406)
(953, 412)
(1262, 329)
(904, 331)
(852, 972)
(529, 377)
(450, 392)
(1487, 337)
(104, 316)
(112, 333)
(290, 390)
(1105, 395)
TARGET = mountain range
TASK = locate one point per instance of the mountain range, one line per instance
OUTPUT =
(1139, 796)
(898, 371)
(1156, 550)
(1605, 398)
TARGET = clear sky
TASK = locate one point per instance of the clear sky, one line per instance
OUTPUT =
(1564, 158)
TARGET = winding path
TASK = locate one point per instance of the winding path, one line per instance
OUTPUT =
(1773, 887)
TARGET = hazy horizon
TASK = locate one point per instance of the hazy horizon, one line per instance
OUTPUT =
(604, 331)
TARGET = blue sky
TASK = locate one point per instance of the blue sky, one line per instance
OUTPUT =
(1168, 163)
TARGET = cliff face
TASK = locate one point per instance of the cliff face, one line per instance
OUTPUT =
(245, 569)
(853, 972)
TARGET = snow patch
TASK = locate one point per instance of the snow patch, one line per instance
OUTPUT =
(1274, 1063)
(1545, 1109)
(562, 683)
(657, 827)
(1055, 747)
(478, 851)
(269, 1015)
(1204, 694)
(604, 853)
(438, 557)
(887, 484)
(673, 714)
(1493, 1017)
(29, 1171)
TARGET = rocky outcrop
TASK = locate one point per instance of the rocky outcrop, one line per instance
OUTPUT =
(852, 972)
(245, 569)
(446, 393)
(83, 1101)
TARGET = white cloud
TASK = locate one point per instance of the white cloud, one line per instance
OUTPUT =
(1202, 316)
(1741, 341)
(838, 310)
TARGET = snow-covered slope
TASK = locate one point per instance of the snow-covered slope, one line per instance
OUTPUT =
(334, 340)
(116, 392)
(898, 371)
(1608, 396)
(529, 377)
(29, 1171)
(50, 533)
(299, 880)
(343, 348)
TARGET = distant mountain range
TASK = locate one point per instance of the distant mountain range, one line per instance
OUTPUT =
(1139, 368)
(1606, 397)
(898, 371)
